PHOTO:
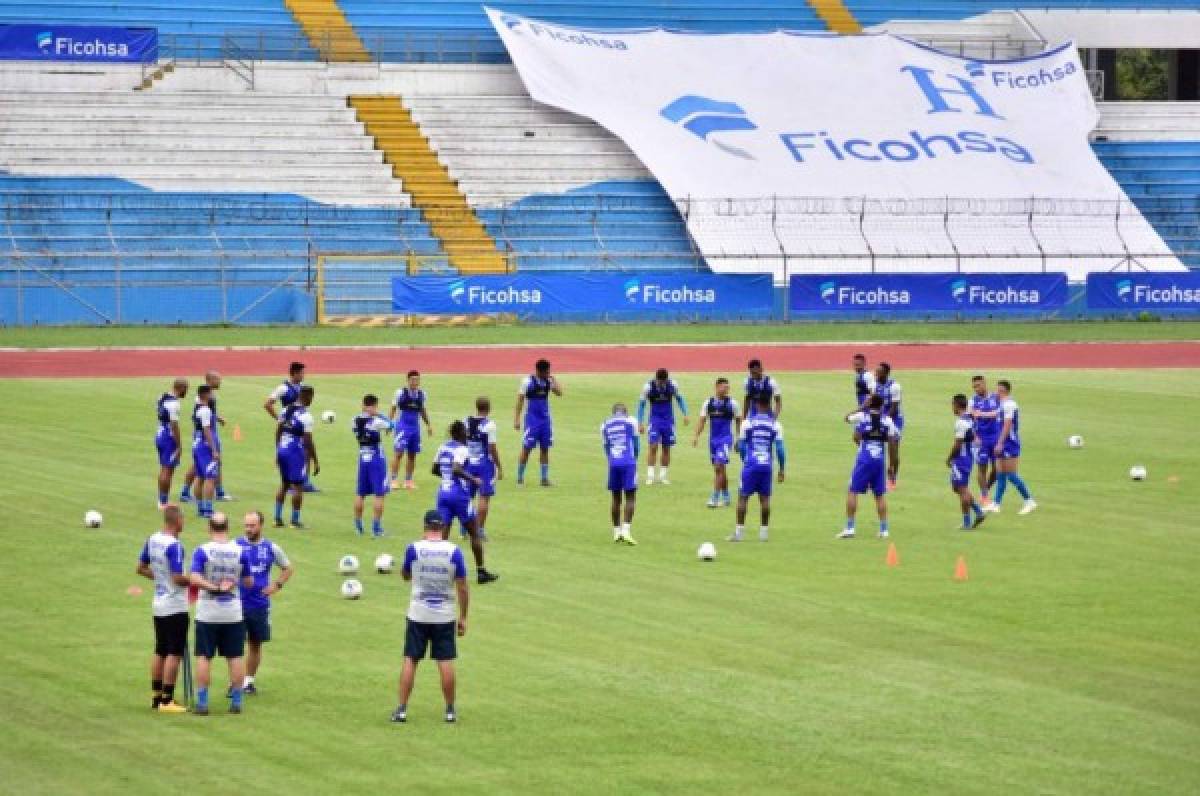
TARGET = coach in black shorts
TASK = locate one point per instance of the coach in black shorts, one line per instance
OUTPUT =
(161, 561)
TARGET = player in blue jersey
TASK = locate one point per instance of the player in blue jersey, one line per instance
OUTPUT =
(161, 561)
(759, 445)
(368, 427)
(1008, 451)
(985, 410)
(285, 395)
(960, 459)
(760, 385)
(877, 440)
(409, 406)
(219, 566)
(483, 459)
(889, 390)
(206, 454)
(662, 393)
(295, 453)
(720, 412)
(455, 492)
(191, 480)
(168, 440)
(619, 436)
(262, 556)
(534, 398)
(864, 381)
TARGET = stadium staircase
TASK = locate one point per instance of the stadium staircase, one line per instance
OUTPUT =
(836, 16)
(327, 30)
(467, 243)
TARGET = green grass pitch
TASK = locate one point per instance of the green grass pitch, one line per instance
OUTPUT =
(1067, 663)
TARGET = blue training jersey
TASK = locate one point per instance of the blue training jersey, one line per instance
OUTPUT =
(721, 413)
(202, 418)
(766, 387)
(620, 436)
(964, 431)
(481, 436)
(410, 402)
(661, 398)
(874, 430)
(1010, 411)
(537, 399)
(288, 393)
(890, 392)
(260, 557)
(294, 422)
(864, 386)
(988, 428)
(448, 455)
(757, 443)
(368, 431)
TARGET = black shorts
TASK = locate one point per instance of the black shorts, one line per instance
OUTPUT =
(170, 634)
(227, 639)
(258, 625)
(440, 638)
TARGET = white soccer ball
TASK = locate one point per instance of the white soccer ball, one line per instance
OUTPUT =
(707, 552)
(348, 565)
(93, 519)
(351, 589)
(1075, 441)
(1137, 472)
(384, 564)
(329, 416)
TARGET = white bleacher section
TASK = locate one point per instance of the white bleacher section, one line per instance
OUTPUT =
(1149, 121)
(993, 36)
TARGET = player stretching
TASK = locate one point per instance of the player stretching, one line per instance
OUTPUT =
(534, 397)
(410, 404)
(760, 385)
(368, 427)
(864, 381)
(294, 452)
(619, 436)
(890, 392)
(960, 460)
(206, 455)
(721, 414)
(760, 443)
(483, 459)
(454, 494)
(1008, 451)
(985, 409)
(169, 439)
(874, 431)
(285, 395)
(660, 392)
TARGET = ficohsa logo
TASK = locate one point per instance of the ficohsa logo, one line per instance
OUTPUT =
(964, 291)
(45, 40)
(837, 295)
(458, 290)
(827, 290)
(50, 44)
(958, 289)
(632, 288)
(637, 292)
(475, 295)
(1124, 288)
(519, 26)
(1134, 291)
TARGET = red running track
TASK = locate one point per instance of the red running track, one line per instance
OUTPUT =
(124, 363)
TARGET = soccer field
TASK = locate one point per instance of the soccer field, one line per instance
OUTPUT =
(1066, 663)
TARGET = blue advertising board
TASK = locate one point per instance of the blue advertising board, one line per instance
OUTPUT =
(78, 43)
(981, 294)
(630, 295)
(1131, 290)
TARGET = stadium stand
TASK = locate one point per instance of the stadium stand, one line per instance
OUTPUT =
(874, 12)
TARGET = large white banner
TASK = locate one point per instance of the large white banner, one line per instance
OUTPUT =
(757, 116)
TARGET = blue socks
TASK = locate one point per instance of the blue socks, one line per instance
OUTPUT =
(377, 528)
(966, 521)
(295, 516)
(521, 471)
(1019, 483)
(186, 492)
(358, 525)
(204, 508)
(201, 697)
(235, 698)
(849, 524)
(163, 497)
(883, 526)
(1001, 487)
(545, 472)
(279, 511)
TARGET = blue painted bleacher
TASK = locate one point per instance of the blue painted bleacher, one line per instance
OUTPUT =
(1163, 180)
(874, 12)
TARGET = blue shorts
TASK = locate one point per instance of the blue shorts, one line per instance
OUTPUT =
(227, 639)
(206, 466)
(899, 421)
(622, 477)
(1012, 449)
(293, 466)
(485, 471)
(538, 435)
(960, 472)
(868, 474)
(718, 450)
(661, 435)
(168, 451)
(372, 477)
(756, 480)
(455, 507)
(408, 440)
(985, 452)
(258, 624)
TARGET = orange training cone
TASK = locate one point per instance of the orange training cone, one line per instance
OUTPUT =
(893, 557)
(960, 569)
(237, 433)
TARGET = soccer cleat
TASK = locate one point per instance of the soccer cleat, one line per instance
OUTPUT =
(278, 523)
(379, 534)
(883, 534)
(311, 489)
(1029, 506)
(726, 502)
(483, 576)
(399, 716)
(664, 481)
(546, 482)
(712, 503)
(763, 535)
(235, 709)
(734, 537)
(299, 526)
(629, 540)
(617, 536)
(395, 484)
(225, 498)
(979, 518)
(451, 716)
(650, 480)
(410, 484)
(250, 690)
(848, 533)
(185, 498)
(171, 707)
(200, 710)
(992, 508)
